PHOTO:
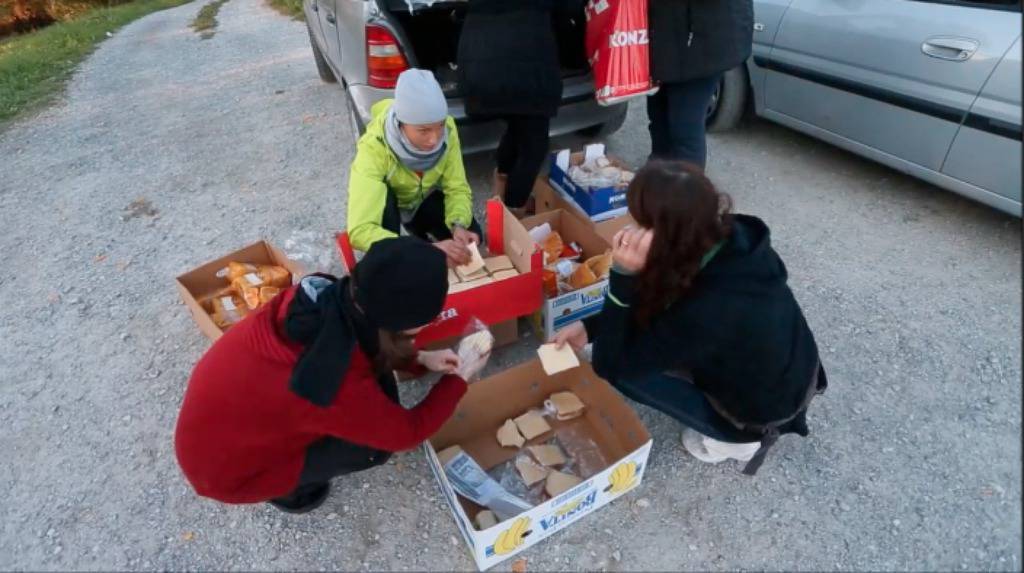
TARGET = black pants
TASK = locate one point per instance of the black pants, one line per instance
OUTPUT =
(678, 114)
(522, 151)
(328, 457)
(682, 400)
(428, 221)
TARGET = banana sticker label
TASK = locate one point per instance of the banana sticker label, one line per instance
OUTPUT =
(511, 539)
(623, 478)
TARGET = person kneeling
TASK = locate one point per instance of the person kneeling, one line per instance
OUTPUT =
(304, 390)
(408, 172)
(699, 323)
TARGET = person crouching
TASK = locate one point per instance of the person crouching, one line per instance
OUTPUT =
(304, 389)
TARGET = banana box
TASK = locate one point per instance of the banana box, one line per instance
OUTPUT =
(607, 422)
(564, 309)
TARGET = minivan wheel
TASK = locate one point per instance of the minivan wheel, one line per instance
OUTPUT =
(729, 102)
(322, 68)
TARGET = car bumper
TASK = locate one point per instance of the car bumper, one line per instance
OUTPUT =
(579, 110)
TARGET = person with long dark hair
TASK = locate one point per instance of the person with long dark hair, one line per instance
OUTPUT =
(699, 322)
(303, 390)
(509, 69)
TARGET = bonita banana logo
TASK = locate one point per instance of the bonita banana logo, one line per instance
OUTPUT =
(510, 539)
(623, 477)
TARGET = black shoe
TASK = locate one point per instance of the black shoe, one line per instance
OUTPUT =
(303, 502)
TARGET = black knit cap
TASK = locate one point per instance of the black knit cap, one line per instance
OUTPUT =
(401, 283)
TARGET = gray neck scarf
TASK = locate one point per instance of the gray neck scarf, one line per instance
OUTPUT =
(411, 157)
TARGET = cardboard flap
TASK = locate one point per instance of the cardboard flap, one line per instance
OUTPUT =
(548, 199)
(517, 242)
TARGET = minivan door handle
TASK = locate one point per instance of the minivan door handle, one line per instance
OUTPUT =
(952, 49)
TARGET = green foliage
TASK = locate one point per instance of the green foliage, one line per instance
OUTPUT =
(291, 8)
(34, 66)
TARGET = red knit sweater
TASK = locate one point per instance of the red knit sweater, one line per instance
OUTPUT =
(242, 434)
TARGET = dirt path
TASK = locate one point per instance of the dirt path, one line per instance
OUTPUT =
(170, 150)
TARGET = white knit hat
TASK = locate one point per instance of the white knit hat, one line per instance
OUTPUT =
(419, 99)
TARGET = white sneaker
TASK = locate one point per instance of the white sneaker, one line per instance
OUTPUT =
(712, 451)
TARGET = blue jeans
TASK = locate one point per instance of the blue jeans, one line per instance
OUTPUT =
(678, 116)
(680, 399)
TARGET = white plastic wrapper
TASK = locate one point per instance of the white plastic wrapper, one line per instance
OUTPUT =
(474, 350)
(598, 171)
(540, 232)
(315, 251)
(472, 482)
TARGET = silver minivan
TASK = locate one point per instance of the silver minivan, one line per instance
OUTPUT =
(366, 43)
(929, 87)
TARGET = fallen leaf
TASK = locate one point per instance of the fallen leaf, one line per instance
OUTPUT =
(519, 566)
(189, 536)
(100, 258)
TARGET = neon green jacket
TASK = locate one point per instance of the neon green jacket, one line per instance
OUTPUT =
(376, 169)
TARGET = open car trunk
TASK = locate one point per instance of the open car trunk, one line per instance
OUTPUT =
(433, 34)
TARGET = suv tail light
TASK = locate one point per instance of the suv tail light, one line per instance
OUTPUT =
(384, 58)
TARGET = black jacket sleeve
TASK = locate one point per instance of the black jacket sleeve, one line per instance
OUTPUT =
(621, 349)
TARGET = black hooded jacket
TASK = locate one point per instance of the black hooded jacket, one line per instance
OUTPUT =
(739, 331)
(699, 38)
(508, 58)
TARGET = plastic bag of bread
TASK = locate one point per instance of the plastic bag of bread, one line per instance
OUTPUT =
(235, 270)
(582, 277)
(267, 294)
(228, 310)
(474, 349)
(600, 265)
(257, 275)
(206, 301)
(552, 246)
(550, 281)
(275, 276)
(250, 293)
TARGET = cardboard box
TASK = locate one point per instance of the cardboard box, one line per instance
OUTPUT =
(567, 308)
(608, 421)
(599, 203)
(549, 199)
(203, 281)
(494, 303)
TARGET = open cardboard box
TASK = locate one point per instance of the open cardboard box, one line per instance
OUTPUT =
(498, 304)
(598, 203)
(203, 281)
(608, 421)
(550, 199)
(570, 307)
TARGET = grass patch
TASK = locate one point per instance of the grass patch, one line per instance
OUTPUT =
(290, 8)
(35, 66)
(205, 22)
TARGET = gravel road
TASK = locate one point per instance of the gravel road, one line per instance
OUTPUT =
(170, 150)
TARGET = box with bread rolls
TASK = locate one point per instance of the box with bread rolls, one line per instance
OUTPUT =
(222, 292)
(503, 285)
(577, 263)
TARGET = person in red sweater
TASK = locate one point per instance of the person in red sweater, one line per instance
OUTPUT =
(304, 390)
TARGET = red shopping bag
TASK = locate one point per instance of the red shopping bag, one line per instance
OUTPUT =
(618, 48)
